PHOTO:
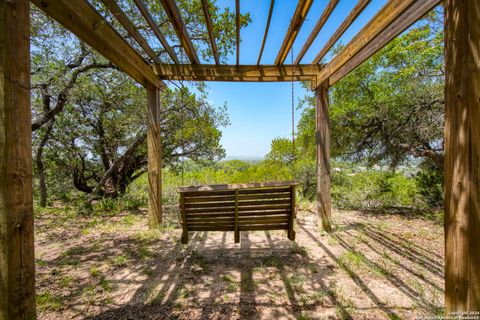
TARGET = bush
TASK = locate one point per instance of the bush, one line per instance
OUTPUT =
(430, 184)
(373, 189)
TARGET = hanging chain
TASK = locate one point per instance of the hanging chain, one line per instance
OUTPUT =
(293, 116)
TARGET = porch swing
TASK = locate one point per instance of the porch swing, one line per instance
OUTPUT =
(240, 207)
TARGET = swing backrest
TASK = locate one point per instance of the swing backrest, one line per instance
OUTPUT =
(238, 207)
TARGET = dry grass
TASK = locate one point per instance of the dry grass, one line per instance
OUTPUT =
(112, 267)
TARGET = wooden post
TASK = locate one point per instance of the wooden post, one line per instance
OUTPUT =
(322, 136)
(462, 155)
(154, 157)
(184, 219)
(291, 221)
(17, 259)
(236, 231)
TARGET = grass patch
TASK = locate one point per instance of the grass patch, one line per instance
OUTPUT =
(48, 301)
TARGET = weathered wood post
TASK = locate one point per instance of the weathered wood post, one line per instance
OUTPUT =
(154, 146)
(462, 155)
(322, 138)
(17, 261)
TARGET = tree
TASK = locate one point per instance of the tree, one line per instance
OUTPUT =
(78, 96)
(389, 109)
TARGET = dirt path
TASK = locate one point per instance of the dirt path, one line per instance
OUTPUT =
(372, 267)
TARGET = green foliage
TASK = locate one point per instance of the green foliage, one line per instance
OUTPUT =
(374, 189)
(430, 183)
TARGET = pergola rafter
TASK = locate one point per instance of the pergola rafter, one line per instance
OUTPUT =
(296, 23)
(209, 23)
(156, 30)
(128, 25)
(318, 26)
(265, 34)
(237, 27)
(352, 16)
(176, 20)
(462, 206)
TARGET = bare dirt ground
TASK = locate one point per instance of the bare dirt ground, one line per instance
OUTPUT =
(374, 266)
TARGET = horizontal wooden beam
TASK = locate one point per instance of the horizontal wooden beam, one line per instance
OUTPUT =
(296, 23)
(386, 16)
(352, 16)
(173, 14)
(409, 17)
(86, 23)
(248, 73)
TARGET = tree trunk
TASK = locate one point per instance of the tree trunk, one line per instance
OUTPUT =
(40, 166)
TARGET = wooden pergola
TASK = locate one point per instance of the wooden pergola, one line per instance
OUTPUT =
(462, 122)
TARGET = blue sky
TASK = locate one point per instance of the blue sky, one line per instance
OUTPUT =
(260, 112)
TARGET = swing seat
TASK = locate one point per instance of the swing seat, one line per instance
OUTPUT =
(238, 207)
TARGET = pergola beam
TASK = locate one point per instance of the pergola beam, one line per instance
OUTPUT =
(265, 34)
(352, 16)
(264, 73)
(318, 26)
(209, 23)
(386, 16)
(296, 23)
(173, 14)
(131, 29)
(403, 22)
(159, 34)
(86, 23)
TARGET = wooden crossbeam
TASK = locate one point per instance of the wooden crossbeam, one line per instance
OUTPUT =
(267, 27)
(318, 26)
(248, 73)
(352, 16)
(237, 23)
(159, 34)
(208, 21)
(173, 14)
(298, 18)
(403, 22)
(386, 16)
(86, 23)
(128, 25)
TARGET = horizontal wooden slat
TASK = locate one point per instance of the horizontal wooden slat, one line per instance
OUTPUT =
(211, 220)
(221, 187)
(265, 213)
(228, 204)
(210, 224)
(190, 194)
(210, 229)
(269, 227)
(261, 208)
(262, 203)
(285, 195)
(263, 191)
(262, 220)
(208, 215)
(203, 210)
(209, 199)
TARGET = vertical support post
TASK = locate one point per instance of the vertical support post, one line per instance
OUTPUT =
(184, 219)
(17, 259)
(462, 155)
(291, 221)
(322, 138)
(154, 146)
(236, 231)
